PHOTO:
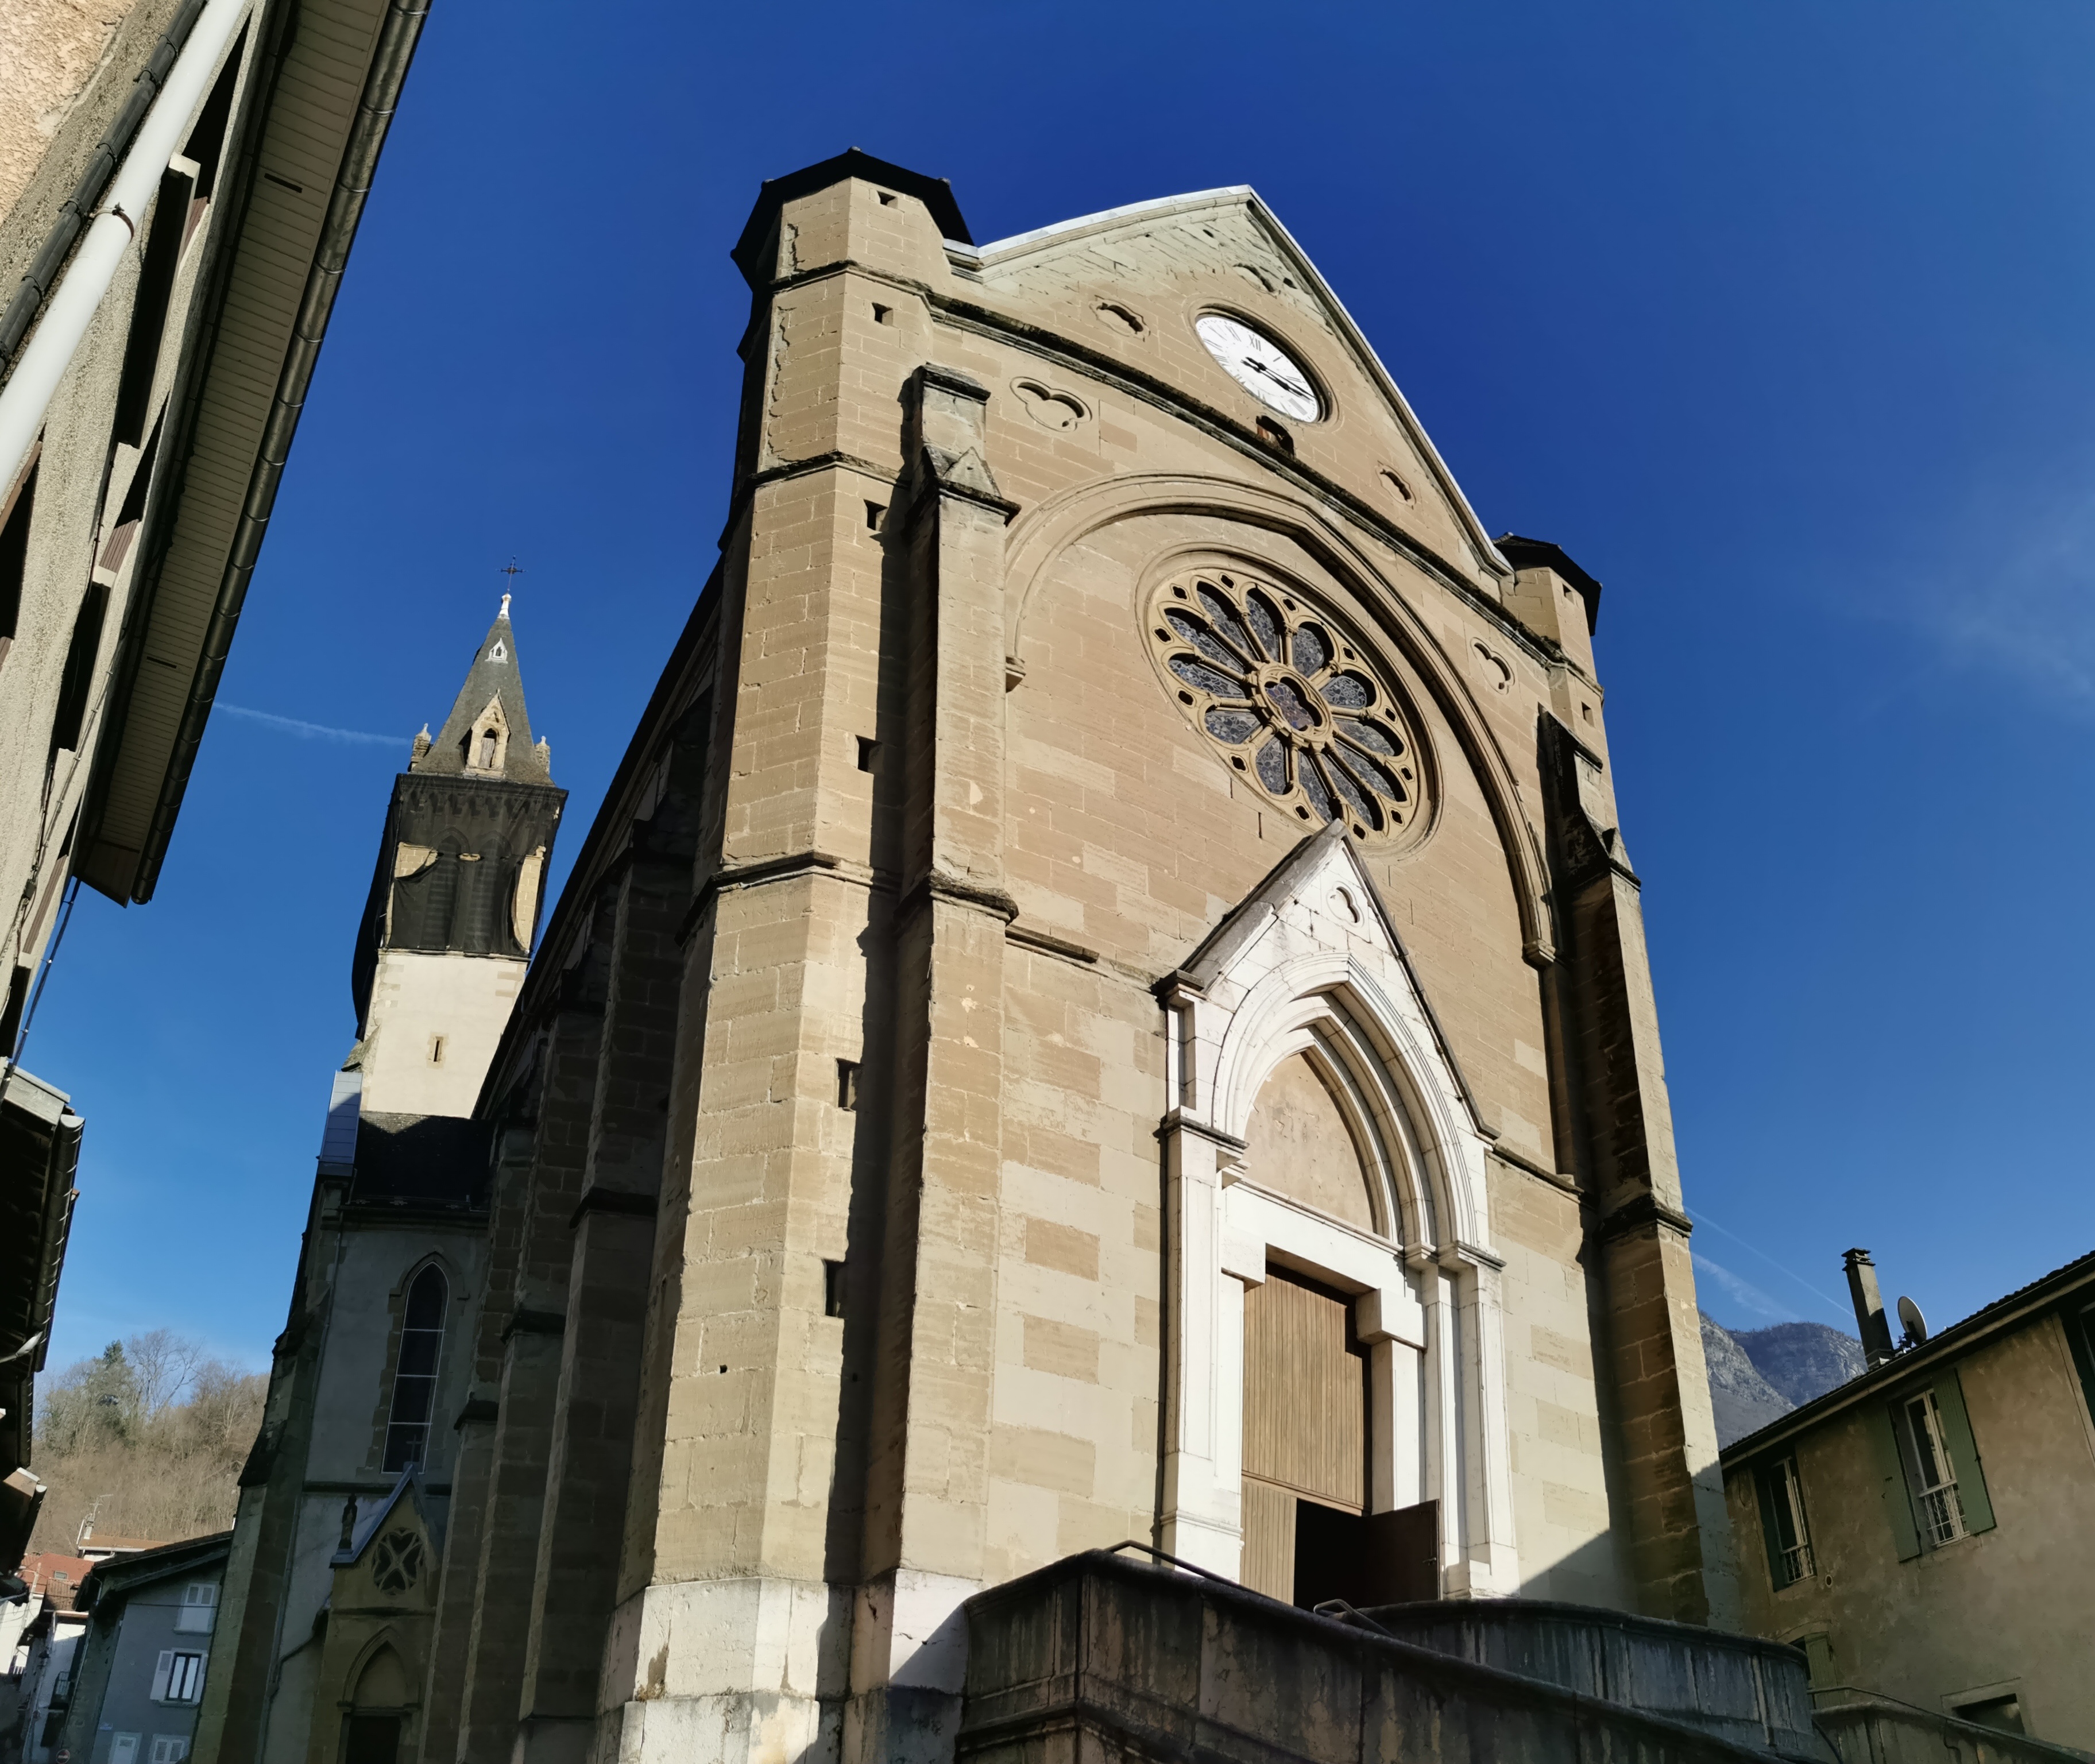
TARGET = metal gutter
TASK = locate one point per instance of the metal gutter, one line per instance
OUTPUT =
(111, 237)
(43, 274)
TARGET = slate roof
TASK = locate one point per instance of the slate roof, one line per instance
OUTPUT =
(936, 194)
(495, 674)
(1543, 554)
(421, 1161)
(409, 1487)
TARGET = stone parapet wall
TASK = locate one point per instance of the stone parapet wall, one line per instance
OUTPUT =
(1871, 1731)
(1755, 1692)
(1099, 1657)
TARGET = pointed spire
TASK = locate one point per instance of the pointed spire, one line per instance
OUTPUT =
(488, 734)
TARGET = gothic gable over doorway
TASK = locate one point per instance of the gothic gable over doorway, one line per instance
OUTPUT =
(1323, 1131)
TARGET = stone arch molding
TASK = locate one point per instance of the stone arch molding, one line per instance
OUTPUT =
(1311, 964)
(383, 1641)
(1044, 533)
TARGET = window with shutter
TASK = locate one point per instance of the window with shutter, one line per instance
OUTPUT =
(1933, 1476)
(1891, 1475)
(168, 1748)
(161, 1668)
(198, 1607)
(185, 1677)
(2079, 1326)
(1782, 1517)
(1963, 1451)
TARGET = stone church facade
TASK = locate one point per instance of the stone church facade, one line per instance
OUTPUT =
(1105, 1001)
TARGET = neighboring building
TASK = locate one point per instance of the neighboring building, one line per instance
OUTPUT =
(181, 181)
(1105, 1000)
(375, 1362)
(140, 1668)
(97, 1546)
(48, 1645)
(45, 1576)
(1923, 1531)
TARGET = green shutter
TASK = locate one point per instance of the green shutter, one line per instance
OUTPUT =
(1764, 1482)
(1964, 1455)
(1898, 1501)
(2079, 1327)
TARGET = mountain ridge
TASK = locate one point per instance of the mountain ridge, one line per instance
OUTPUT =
(1757, 1376)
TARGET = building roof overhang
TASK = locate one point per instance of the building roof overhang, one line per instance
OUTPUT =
(39, 1153)
(296, 188)
(121, 1576)
(2014, 1311)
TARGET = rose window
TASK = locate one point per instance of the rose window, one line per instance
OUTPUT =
(1290, 702)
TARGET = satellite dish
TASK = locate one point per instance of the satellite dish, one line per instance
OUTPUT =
(1914, 1323)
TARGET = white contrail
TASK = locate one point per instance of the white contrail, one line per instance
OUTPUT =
(1701, 1218)
(311, 731)
(1744, 1291)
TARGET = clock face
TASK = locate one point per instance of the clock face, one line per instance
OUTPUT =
(1260, 366)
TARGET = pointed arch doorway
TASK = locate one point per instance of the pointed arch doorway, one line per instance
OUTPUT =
(1310, 1532)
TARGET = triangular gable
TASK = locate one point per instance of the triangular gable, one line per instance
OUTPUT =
(1327, 858)
(408, 1488)
(1251, 240)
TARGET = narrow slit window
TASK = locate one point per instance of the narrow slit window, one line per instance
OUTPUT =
(415, 1373)
(833, 1289)
(149, 306)
(205, 145)
(847, 1084)
(869, 749)
(875, 516)
(882, 315)
(77, 682)
(14, 555)
(131, 512)
(436, 1050)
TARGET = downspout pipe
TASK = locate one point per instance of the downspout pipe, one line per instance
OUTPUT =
(26, 398)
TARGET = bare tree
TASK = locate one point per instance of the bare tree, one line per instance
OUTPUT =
(150, 1434)
(164, 1364)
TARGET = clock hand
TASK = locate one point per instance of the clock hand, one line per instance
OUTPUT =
(1278, 379)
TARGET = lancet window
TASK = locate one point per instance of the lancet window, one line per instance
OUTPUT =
(415, 1371)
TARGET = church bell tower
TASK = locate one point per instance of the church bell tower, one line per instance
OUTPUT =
(455, 902)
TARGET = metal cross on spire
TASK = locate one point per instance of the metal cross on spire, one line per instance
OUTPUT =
(512, 571)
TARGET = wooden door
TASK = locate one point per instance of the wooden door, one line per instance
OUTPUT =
(1304, 1420)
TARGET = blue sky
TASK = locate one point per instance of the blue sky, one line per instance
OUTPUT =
(1774, 317)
